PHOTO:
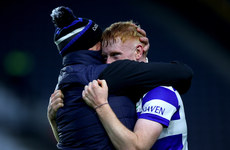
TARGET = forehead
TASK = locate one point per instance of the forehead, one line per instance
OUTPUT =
(117, 46)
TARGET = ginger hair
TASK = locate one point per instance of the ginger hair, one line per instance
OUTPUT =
(123, 30)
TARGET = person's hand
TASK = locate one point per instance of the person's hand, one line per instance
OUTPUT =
(56, 102)
(144, 39)
(96, 93)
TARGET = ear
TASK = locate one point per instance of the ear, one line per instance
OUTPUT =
(139, 52)
(98, 46)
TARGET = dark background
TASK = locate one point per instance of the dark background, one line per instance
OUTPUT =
(195, 32)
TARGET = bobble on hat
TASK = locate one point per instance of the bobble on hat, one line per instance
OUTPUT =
(62, 16)
(73, 33)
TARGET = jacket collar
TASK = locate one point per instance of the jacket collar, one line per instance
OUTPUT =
(86, 57)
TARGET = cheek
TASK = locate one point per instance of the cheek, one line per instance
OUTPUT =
(110, 60)
(131, 56)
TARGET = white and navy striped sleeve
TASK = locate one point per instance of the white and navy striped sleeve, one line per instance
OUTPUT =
(159, 105)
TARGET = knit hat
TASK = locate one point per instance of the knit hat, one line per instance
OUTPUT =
(73, 33)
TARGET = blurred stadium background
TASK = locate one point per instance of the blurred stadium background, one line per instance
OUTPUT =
(195, 32)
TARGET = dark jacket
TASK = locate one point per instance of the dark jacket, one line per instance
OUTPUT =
(78, 124)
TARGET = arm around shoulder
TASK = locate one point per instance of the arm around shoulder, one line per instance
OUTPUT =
(124, 76)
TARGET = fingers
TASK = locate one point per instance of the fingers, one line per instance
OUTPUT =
(95, 93)
(92, 85)
(141, 31)
(87, 91)
(145, 41)
(57, 94)
(92, 88)
(102, 83)
(87, 94)
(56, 100)
(84, 92)
(85, 98)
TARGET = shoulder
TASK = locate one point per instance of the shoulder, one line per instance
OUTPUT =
(162, 93)
(80, 73)
(158, 105)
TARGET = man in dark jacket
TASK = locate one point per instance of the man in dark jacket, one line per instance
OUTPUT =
(78, 41)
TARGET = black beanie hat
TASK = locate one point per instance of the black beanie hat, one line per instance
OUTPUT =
(73, 33)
